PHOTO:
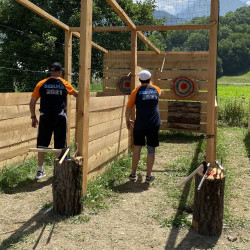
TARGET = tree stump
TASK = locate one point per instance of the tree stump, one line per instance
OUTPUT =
(67, 186)
(209, 202)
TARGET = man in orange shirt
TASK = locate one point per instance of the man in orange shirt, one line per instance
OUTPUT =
(146, 124)
(53, 93)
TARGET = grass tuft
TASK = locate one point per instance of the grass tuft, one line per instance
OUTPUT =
(104, 185)
(178, 221)
(233, 111)
(14, 176)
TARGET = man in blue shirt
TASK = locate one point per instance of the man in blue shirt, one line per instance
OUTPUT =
(147, 122)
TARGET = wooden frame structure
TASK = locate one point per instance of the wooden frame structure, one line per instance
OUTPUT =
(82, 116)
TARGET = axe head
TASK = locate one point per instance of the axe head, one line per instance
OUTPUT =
(205, 167)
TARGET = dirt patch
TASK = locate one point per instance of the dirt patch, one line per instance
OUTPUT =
(131, 221)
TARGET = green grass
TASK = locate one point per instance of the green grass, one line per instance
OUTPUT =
(105, 184)
(233, 101)
(231, 91)
(96, 87)
(233, 111)
(18, 176)
(244, 78)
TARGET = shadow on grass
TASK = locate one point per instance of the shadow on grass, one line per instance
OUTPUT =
(28, 185)
(187, 243)
(45, 217)
(192, 240)
(132, 187)
(247, 144)
(180, 137)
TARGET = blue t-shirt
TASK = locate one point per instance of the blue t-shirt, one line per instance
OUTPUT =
(146, 99)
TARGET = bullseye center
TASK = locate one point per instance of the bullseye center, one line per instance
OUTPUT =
(127, 84)
(183, 85)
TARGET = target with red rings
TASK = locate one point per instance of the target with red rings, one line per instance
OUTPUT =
(125, 85)
(184, 87)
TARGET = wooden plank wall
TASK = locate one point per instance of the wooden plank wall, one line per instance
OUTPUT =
(108, 135)
(190, 64)
(16, 133)
(115, 66)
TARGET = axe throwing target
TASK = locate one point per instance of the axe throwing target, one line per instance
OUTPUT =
(125, 85)
(184, 87)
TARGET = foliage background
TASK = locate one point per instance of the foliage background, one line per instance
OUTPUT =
(29, 43)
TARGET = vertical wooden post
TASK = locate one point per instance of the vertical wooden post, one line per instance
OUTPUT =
(133, 64)
(67, 76)
(215, 127)
(133, 71)
(84, 86)
(210, 151)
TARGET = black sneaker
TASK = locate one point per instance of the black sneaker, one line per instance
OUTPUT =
(40, 174)
(149, 178)
(132, 177)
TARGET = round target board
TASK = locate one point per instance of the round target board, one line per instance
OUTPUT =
(184, 87)
(125, 85)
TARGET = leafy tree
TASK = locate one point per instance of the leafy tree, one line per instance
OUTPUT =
(29, 45)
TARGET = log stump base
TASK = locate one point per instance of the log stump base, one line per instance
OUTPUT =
(67, 186)
(209, 203)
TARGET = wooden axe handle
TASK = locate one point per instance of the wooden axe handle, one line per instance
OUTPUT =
(190, 176)
(45, 150)
(64, 155)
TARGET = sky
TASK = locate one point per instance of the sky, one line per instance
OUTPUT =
(169, 6)
(175, 6)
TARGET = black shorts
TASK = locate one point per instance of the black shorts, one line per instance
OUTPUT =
(151, 134)
(50, 124)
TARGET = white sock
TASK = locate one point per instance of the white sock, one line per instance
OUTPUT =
(40, 168)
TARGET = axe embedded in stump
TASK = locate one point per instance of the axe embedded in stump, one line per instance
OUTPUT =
(208, 205)
(63, 152)
(203, 165)
(63, 155)
(204, 176)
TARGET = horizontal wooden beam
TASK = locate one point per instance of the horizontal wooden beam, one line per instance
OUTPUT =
(104, 29)
(149, 28)
(111, 29)
(121, 28)
(162, 52)
(174, 27)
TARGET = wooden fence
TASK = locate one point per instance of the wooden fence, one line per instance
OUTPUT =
(108, 135)
(165, 67)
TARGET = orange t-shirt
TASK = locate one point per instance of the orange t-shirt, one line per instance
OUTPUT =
(53, 92)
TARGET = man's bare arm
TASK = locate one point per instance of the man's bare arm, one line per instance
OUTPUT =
(33, 112)
(129, 122)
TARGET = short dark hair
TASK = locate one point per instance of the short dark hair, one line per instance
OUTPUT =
(56, 66)
(145, 81)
